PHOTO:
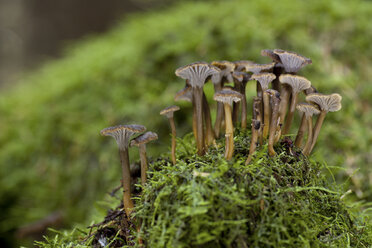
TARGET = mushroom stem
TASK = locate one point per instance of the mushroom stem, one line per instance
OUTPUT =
(301, 132)
(229, 133)
(316, 130)
(219, 114)
(125, 172)
(198, 100)
(244, 108)
(236, 105)
(257, 115)
(306, 150)
(284, 96)
(288, 121)
(274, 123)
(255, 127)
(143, 158)
(208, 122)
(174, 135)
(266, 105)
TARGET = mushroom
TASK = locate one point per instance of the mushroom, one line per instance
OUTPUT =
(243, 78)
(228, 96)
(196, 74)
(264, 79)
(302, 128)
(141, 142)
(218, 79)
(297, 84)
(168, 112)
(326, 103)
(257, 115)
(259, 68)
(308, 111)
(256, 125)
(241, 64)
(122, 134)
(209, 136)
(292, 62)
(275, 101)
(278, 68)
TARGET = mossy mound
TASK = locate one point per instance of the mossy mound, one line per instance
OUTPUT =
(51, 156)
(281, 201)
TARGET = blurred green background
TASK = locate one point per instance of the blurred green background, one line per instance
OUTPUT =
(52, 158)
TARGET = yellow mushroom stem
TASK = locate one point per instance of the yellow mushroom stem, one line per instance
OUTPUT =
(284, 97)
(301, 132)
(198, 109)
(316, 129)
(125, 172)
(229, 133)
(256, 125)
(292, 108)
(266, 105)
(306, 150)
(209, 134)
(275, 101)
(143, 158)
(174, 135)
(244, 108)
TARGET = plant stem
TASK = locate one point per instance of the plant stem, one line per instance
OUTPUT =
(127, 201)
(306, 150)
(292, 108)
(198, 100)
(208, 122)
(229, 134)
(143, 157)
(301, 132)
(174, 135)
(316, 129)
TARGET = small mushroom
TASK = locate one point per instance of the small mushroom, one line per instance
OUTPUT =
(122, 134)
(308, 111)
(169, 112)
(196, 74)
(302, 128)
(326, 103)
(241, 64)
(243, 78)
(275, 101)
(218, 80)
(298, 84)
(256, 125)
(264, 79)
(292, 61)
(228, 96)
(141, 142)
(278, 68)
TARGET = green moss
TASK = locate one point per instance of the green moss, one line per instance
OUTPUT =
(281, 201)
(51, 155)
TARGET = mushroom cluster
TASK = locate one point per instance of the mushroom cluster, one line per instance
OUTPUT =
(278, 90)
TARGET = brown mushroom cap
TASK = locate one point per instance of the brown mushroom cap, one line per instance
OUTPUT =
(264, 79)
(122, 133)
(271, 54)
(227, 96)
(169, 111)
(197, 73)
(328, 103)
(292, 61)
(308, 109)
(241, 76)
(297, 83)
(226, 68)
(241, 64)
(258, 68)
(144, 138)
(185, 94)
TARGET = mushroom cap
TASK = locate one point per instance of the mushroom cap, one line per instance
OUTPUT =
(308, 109)
(168, 111)
(122, 133)
(273, 93)
(264, 79)
(197, 73)
(310, 90)
(241, 76)
(184, 94)
(328, 103)
(271, 54)
(144, 138)
(226, 68)
(292, 61)
(241, 64)
(258, 68)
(227, 96)
(297, 83)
